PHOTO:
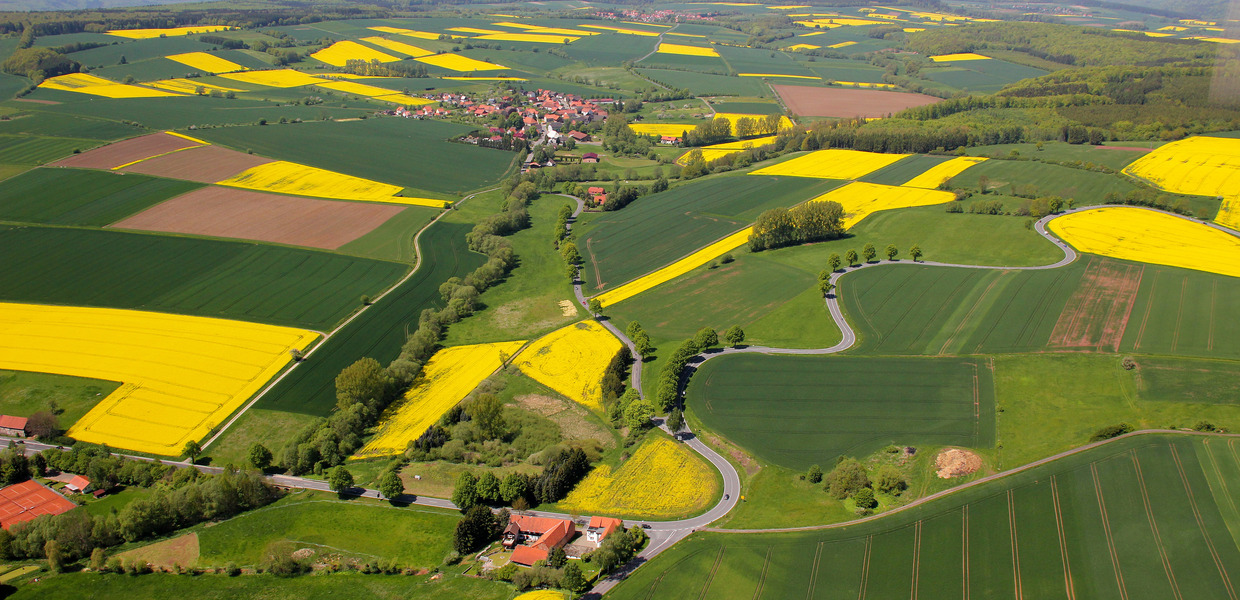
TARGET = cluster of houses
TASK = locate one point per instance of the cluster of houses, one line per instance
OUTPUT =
(532, 539)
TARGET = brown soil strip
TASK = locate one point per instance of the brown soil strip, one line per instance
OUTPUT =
(1205, 534)
(1149, 516)
(207, 164)
(232, 213)
(1106, 530)
(1063, 542)
(36, 101)
(1097, 313)
(126, 151)
(809, 101)
(168, 554)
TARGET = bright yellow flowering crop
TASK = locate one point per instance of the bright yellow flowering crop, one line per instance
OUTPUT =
(545, 30)
(675, 129)
(663, 479)
(422, 35)
(842, 45)
(1153, 237)
(572, 360)
(936, 175)
(777, 75)
(861, 200)
(533, 37)
(341, 52)
(717, 151)
(676, 269)
(958, 57)
(449, 376)
(181, 375)
(456, 62)
(188, 86)
(866, 84)
(205, 62)
(623, 30)
(784, 122)
(278, 78)
(459, 78)
(541, 595)
(666, 48)
(1202, 166)
(146, 34)
(832, 164)
(374, 91)
(400, 47)
(803, 47)
(85, 83)
(291, 178)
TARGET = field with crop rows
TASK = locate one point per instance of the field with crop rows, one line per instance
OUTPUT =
(82, 197)
(1145, 517)
(571, 360)
(832, 164)
(663, 479)
(181, 376)
(795, 411)
(212, 278)
(1153, 237)
(619, 246)
(381, 330)
(445, 380)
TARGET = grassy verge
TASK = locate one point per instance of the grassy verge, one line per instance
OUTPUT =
(23, 393)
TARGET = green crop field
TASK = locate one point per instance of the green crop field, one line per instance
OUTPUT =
(36, 150)
(152, 69)
(748, 108)
(83, 197)
(1142, 517)
(413, 536)
(755, 60)
(405, 152)
(981, 75)
(1008, 176)
(139, 50)
(658, 229)
(795, 411)
(905, 170)
(843, 69)
(269, 587)
(1183, 312)
(1110, 156)
(609, 49)
(703, 64)
(47, 124)
(182, 112)
(707, 84)
(393, 240)
(380, 331)
(254, 282)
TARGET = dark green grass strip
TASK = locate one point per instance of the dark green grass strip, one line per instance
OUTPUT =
(904, 170)
(83, 197)
(380, 331)
(235, 280)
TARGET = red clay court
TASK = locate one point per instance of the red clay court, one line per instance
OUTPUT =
(29, 500)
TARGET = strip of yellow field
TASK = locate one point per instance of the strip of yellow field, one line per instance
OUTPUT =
(422, 35)
(277, 78)
(784, 122)
(683, 50)
(1152, 237)
(146, 34)
(450, 375)
(189, 86)
(374, 91)
(623, 30)
(776, 75)
(717, 151)
(858, 199)
(832, 164)
(208, 63)
(401, 47)
(456, 62)
(284, 177)
(662, 479)
(340, 53)
(933, 177)
(572, 361)
(85, 83)
(181, 375)
(958, 57)
(1201, 166)
(674, 129)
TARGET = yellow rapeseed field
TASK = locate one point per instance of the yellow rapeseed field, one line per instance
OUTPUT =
(449, 376)
(400, 47)
(676, 269)
(958, 57)
(146, 34)
(205, 62)
(866, 84)
(422, 35)
(456, 62)
(277, 78)
(85, 83)
(572, 360)
(662, 479)
(716, 151)
(460, 78)
(188, 86)
(1203, 166)
(374, 91)
(776, 75)
(936, 175)
(534, 37)
(784, 122)
(623, 30)
(1147, 236)
(832, 164)
(341, 52)
(842, 45)
(181, 375)
(802, 47)
(665, 48)
(675, 129)
(284, 177)
(547, 30)
(861, 200)
(541, 595)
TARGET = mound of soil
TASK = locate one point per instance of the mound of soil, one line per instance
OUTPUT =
(954, 462)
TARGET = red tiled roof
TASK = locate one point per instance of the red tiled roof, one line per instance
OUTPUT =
(525, 555)
(595, 190)
(12, 422)
(556, 536)
(607, 524)
(79, 483)
(28, 500)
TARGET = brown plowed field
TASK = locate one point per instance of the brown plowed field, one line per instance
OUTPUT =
(808, 101)
(126, 151)
(233, 213)
(207, 164)
(1097, 313)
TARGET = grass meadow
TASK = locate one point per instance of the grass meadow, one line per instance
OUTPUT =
(211, 278)
(795, 411)
(1144, 517)
(23, 393)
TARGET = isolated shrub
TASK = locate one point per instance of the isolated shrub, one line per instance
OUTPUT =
(1111, 431)
(864, 498)
(847, 478)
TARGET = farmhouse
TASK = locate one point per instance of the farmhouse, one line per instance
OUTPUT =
(589, 157)
(532, 538)
(670, 140)
(601, 527)
(28, 500)
(12, 426)
(78, 485)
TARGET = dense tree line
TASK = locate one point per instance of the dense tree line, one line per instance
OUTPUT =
(562, 469)
(808, 222)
